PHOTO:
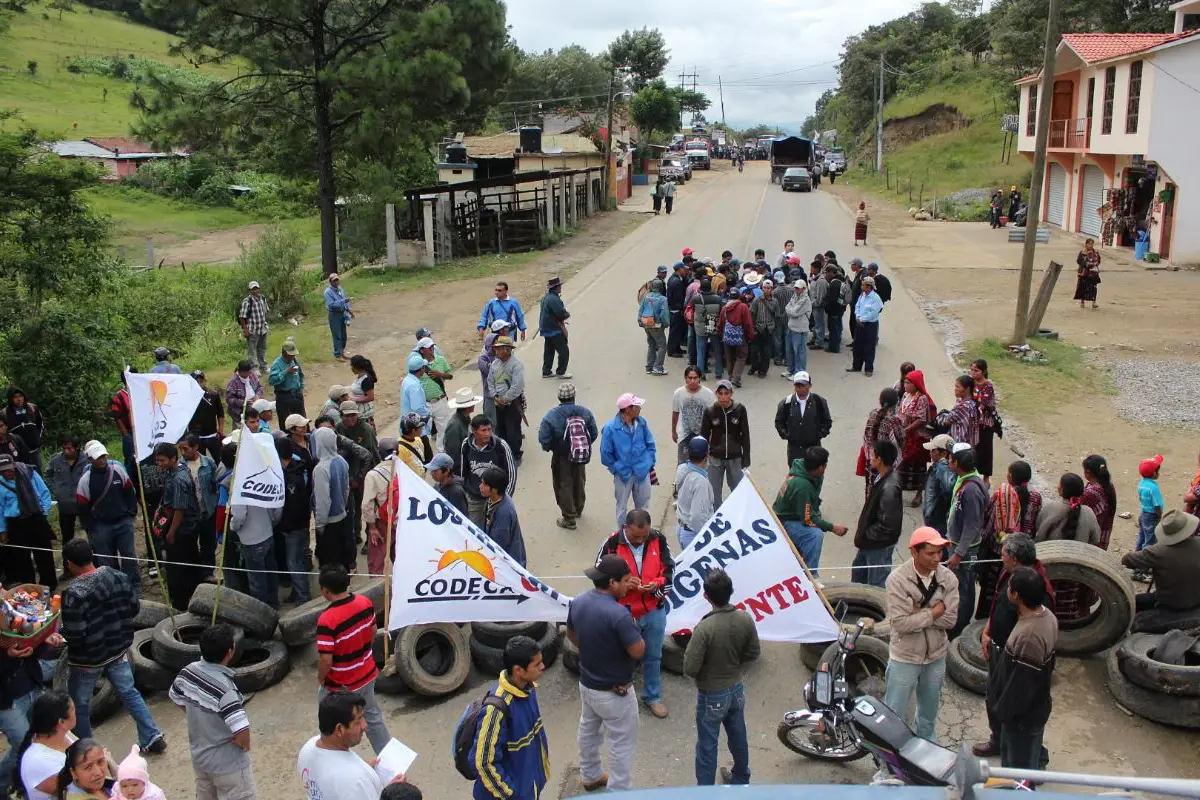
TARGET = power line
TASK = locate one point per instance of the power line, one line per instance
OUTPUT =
(1173, 77)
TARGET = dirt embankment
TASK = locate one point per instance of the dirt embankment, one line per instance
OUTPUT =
(903, 131)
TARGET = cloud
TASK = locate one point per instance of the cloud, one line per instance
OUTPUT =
(774, 57)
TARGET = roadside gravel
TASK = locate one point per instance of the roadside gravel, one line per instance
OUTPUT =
(1156, 392)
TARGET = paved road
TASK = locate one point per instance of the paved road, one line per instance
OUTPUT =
(740, 213)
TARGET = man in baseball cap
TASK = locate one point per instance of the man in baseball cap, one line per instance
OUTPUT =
(627, 449)
(802, 418)
(252, 316)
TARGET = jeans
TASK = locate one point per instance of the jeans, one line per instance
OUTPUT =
(550, 346)
(256, 350)
(656, 348)
(296, 543)
(259, 559)
(337, 329)
(722, 470)
(818, 320)
(833, 344)
(607, 712)
(1147, 522)
(865, 340)
(725, 707)
(111, 539)
(691, 345)
(1021, 746)
(779, 347)
(808, 540)
(702, 354)
(926, 680)
(639, 490)
(966, 593)
(797, 351)
(14, 724)
(377, 730)
(653, 626)
(685, 536)
(718, 354)
(875, 566)
(82, 682)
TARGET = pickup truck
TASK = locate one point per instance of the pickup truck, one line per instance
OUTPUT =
(673, 168)
(699, 154)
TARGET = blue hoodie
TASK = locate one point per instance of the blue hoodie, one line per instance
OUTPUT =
(627, 452)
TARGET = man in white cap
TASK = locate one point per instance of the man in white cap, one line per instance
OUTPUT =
(433, 381)
(627, 449)
(287, 377)
(252, 316)
(338, 306)
(459, 427)
(802, 418)
(266, 413)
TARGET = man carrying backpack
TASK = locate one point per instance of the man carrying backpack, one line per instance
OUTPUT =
(837, 297)
(510, 753)
(568, 432)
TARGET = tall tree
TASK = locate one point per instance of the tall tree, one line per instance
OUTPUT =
(692, 101)
(569, 78)
(643, 52)
(655, 109)
(328, 79)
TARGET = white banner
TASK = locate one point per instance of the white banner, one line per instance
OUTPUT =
(769, 581)
(258, 479)
(161, 406)
(447, 570)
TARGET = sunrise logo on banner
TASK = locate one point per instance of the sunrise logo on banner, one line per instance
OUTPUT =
(769, 581)
(447, 570)
(258, 479)
(161, 405)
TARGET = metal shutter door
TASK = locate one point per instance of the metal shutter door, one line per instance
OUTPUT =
(1056, 200)
(1093, 198)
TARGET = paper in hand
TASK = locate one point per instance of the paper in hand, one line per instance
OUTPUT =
(394, 759)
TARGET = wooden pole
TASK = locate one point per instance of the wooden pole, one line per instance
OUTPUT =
(162, 573)
(225, 528)
(387, 564)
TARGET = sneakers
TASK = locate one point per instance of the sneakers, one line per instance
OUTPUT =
(566, 376)
(658, 372)
(869, 373)
(152, 572)
(785, 374)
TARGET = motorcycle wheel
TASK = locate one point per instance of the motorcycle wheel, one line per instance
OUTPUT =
(795, 737)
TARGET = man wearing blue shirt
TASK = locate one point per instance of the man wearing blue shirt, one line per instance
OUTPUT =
(163, 364)
(502, 307)
(412, 391)
(24, 504)
(338, 306)
(866, 336)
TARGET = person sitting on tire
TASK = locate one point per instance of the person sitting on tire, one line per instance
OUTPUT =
(1174, 561)
(511, 753)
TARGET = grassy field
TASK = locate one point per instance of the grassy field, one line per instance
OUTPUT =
(65, 105)
(1031, 388)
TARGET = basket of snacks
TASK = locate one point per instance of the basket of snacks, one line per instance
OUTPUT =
(28, 616)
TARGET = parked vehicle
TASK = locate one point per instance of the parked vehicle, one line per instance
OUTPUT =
(835, 160)
(791, 151)
(699, 153)
(796, 179)
(673, 169)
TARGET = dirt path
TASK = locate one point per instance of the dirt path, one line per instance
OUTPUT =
(218, 247)
(965, 276)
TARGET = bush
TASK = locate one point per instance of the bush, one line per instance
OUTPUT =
(275, 261)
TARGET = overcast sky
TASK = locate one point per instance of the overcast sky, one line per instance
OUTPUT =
(775, 57)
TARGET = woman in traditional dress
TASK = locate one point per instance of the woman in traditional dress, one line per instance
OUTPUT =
(1013, 508)
(882, 423)
(861, 218)
(905, 368)
(1087, 274)
(1069, 517)
(362, 391)
(1100, 496)
(962, 421)
(984, 396)
(916, 411)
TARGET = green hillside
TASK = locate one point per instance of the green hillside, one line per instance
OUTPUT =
(71, 104)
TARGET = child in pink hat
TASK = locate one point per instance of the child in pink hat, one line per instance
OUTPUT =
(133, 779)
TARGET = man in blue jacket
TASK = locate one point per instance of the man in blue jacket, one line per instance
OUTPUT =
(552, 325)
(511, 755)
(568, 432)
(24, 504)
(338, 306)
(502, 307)
(628, 450)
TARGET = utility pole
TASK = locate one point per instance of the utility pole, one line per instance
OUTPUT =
(721, 90)
(609, 165)
(1034, 214)
(879, 121)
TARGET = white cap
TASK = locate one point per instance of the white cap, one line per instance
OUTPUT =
(95, 450)
(294, 421)
(233, 438)
(254, 285)
(802, 377)
(263, 404)
(960, 447)
(425, 342)
(501, 325)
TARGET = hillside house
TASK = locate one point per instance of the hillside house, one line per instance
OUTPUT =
(120, 157)
(1122, 149)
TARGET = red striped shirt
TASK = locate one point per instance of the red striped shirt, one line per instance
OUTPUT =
(347, 631)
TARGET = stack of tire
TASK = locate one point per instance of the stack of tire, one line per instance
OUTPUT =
(860, 602)
(1102, 627)
(165, 643)
(1165, 691)
(674, 646)
(488, 640)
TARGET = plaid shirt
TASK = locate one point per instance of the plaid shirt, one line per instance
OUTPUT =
(254, 311)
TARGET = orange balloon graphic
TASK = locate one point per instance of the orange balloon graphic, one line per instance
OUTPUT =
(158, 392)
(472, 558)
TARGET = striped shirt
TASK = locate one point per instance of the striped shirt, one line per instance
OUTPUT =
(347, 631)
(215, 714)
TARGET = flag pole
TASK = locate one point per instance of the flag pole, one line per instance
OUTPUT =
(225, 525)
(137, 462)
(387, 563)
(791, 544)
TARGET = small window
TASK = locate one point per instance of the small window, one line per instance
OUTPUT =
(1091, 104)
(1135, 97)
(1031, 111)
(1110, 90)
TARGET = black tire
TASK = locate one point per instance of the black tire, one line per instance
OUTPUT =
(1101, 572)
(263, 664)
(255, 616)
(963, 672)
(1181, 712)
(861, 601)
(150, 614)
(299, 626)
(434, 659)
(866, 668)
(497, 634)
(672, 655)
(175, 642)
(1162, 620)
(148, 675)
(487, 659)
(373, 591)
(105, 700)
(791, 738)
(570, 655)
(1135, 655)
(972, 644)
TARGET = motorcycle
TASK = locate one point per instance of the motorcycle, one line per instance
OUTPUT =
(1018, 219)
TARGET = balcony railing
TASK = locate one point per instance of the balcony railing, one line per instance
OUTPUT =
(1070, 134)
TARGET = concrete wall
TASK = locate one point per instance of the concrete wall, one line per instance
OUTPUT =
(1118, 141)
(1173, 146)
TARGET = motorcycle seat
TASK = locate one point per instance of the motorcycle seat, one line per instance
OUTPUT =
(928, 757)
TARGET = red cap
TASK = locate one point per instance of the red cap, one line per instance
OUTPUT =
(687, 251)
(1150, 466)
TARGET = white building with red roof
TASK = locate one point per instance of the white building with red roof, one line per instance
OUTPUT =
(1124, 139)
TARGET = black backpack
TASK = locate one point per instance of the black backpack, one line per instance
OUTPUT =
(467, 728)
(833, 297)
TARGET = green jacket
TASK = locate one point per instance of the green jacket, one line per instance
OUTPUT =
(799, 498)
(722, 643)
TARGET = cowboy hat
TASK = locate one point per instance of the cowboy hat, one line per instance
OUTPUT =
(465, 398)
(1176, 526)
(752, 279)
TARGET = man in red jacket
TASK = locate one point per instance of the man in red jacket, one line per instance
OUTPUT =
(735, 329)
(648, 555)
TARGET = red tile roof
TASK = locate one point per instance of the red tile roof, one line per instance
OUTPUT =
(1094, 47)
(124, 145)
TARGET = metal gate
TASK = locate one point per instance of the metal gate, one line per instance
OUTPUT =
(1093, 198)
(1056, 197)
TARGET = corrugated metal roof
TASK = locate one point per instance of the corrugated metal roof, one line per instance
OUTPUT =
(76, 149)
(505, 144)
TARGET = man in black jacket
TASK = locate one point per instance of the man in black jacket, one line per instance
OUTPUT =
(856, 278)
(726, 425)
(883, 287)
(880, 522)
(297, 513)
(676, 292)
(480, 450)
(835, 308)
(802, 418)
